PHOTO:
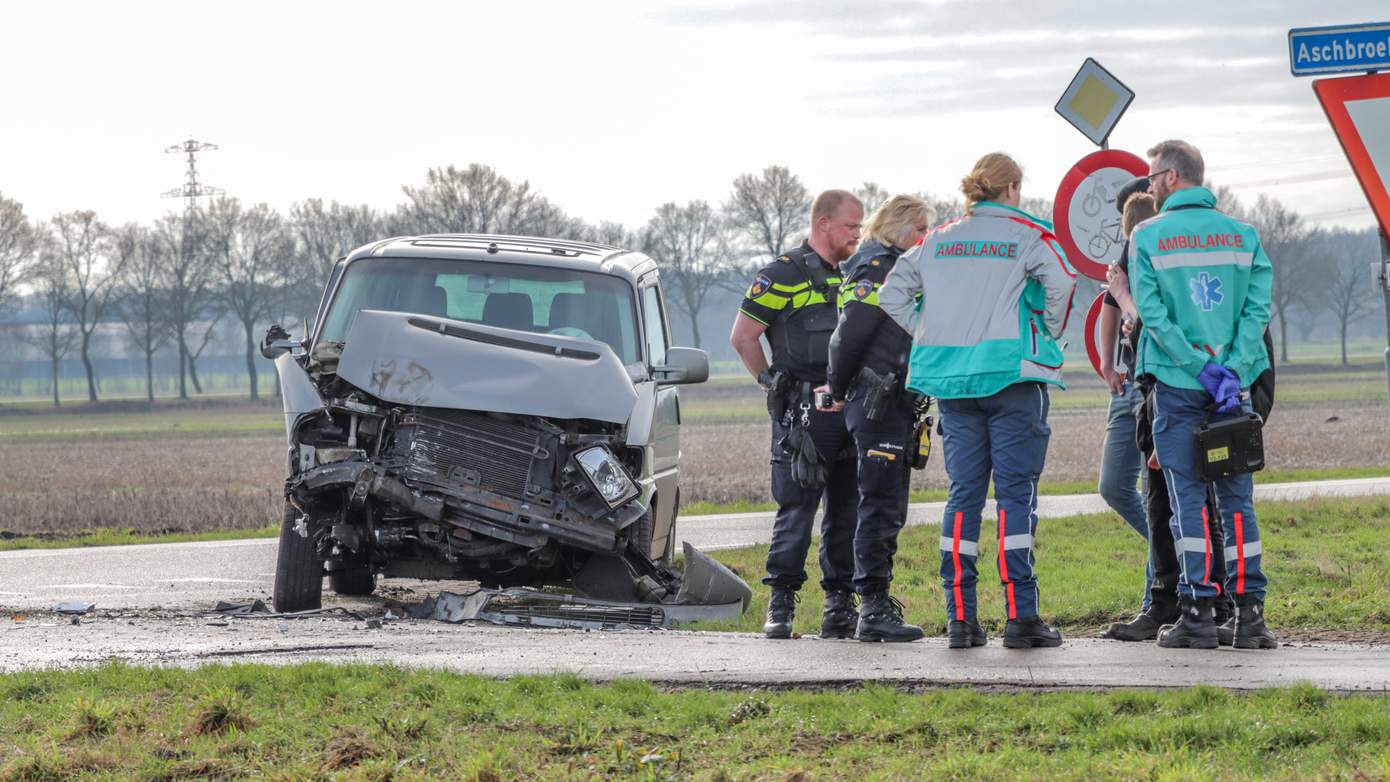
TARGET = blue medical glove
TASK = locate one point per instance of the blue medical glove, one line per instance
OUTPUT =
(1223, 385)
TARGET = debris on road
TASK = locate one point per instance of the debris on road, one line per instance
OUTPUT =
(521, 607)
(78, 607)
(253, 607)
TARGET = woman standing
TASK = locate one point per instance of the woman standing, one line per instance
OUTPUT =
(995, 291)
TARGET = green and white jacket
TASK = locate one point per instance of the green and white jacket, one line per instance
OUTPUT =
(996, 292)
(1201, 282)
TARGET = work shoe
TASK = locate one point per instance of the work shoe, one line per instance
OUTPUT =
(1195, 629)
(1143, 627)
(1030, 632)
(1250, 630)
(781, 610)
(963, 635)
(841, 616)
(881, 619)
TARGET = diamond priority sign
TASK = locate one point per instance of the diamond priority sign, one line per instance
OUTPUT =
(1094, 101)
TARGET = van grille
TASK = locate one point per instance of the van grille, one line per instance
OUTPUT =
(471, 449)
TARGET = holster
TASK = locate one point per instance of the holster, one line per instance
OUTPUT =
(779, 388)
(879, 392)
(921, 432)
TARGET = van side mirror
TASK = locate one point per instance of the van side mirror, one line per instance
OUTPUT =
(684, 366)
(277, 342)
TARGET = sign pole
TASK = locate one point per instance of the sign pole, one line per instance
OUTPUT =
(1385, 291)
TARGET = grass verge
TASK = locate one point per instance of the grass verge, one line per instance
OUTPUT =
(120, 537)
(1056, 488)
(1327, 563)
(317, 721)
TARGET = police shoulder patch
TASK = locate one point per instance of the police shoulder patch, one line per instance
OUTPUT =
(761, 284)
(863, 289)
(875, 262)
(784, 258)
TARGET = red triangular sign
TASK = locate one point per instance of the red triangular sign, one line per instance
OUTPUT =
(1359, 110)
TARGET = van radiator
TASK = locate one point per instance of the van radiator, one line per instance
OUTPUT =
(471, 449)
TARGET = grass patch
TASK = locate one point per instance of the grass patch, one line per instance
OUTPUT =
(1327, 562)
(116, 537)
(316, 721)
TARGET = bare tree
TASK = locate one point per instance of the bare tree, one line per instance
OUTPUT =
(686, 243)
(1342, 260)
(1284, 235)
(140, 302)
(871, 195)
(55, 336)
(17, 244)
(477, 199)
(767, 208)
(612, 234)
(184, 276)
(81, 246)
(323, 234)
(249, 248)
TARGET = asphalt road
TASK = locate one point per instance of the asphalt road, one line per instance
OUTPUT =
(151, 598)
(197, 575)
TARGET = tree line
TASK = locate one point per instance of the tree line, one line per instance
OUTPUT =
(252, 263)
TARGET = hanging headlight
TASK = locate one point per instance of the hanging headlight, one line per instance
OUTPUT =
(607, 475)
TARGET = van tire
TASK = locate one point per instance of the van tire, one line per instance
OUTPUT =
(298, 572)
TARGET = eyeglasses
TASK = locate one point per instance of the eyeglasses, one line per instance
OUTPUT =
(1156, 174)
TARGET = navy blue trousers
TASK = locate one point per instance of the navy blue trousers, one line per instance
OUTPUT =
(1003, 436)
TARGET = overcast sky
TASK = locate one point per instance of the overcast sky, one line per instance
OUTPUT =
(611, 109)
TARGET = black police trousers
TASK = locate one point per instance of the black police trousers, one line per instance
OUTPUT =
(1163, 554)
(885, 467)
(796, 508)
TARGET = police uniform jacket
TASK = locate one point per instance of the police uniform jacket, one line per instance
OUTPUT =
(794, 296)
(996, 290)
(1201, 282)
(866, 336)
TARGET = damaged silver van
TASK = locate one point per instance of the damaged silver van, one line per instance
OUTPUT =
(489, 408)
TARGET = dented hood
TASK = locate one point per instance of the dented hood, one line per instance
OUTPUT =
(409, 359)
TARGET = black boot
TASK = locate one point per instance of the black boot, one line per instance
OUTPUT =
(1143, 627)
(841, 616)
(1223, 613)
(881, 619)
(963, 635)
(1250, 630)
(1030, 632)
(1195, 628)
(781, 610)
(1226, 632)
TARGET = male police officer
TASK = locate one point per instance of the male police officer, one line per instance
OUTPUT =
(868, 370)
(1201, 282)
(792, 301)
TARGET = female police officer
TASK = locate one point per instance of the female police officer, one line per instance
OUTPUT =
(868, 366)
(995, 293)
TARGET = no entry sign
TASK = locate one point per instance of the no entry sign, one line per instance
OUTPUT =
(1084, 213)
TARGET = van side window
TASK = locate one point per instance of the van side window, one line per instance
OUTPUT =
(652, 317)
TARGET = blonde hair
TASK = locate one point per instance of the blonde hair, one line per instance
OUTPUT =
(896, 218)
(1138, 208)
(990, 178)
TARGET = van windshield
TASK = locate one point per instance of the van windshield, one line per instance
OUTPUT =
(537, 299)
